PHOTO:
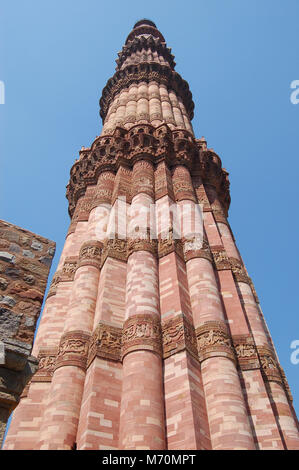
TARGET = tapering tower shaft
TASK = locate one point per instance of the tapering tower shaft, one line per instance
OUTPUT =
(152, 336)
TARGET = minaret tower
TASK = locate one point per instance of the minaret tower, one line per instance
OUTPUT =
(151, 342)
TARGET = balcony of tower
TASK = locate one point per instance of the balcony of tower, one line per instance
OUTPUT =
(145, 88)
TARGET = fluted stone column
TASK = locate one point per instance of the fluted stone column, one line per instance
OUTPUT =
(59, 427)
(142, 423)
(227, 413)
(285, 430)
(68, 379)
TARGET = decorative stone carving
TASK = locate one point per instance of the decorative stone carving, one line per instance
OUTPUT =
(106, 343)
(191, 250)
(169, 244)
(269, 365)
(115, 248)
(73, 350)
(142, 244)
(69, 268)
(178, 334)
(213, 340)
(163, 181)
(146, 72)
(104, 188)
(46, 366)
(142, 331)
(143, 173)
(239, 271)
(55, 281)
(182, 185)
(90, 254)
(246, 352)
(221, 260)
(145, 43)
(125, 146)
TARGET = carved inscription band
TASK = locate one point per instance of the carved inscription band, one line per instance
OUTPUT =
(106, 343)
(213, 340)
(222, 261)
(178, 334)
(142, 332)
(73, 350)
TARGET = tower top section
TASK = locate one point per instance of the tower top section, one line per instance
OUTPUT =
(145, 59)
(145, 28)
(146, 22)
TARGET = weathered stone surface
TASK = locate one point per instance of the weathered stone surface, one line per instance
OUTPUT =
(29, 279)
(7, 300)
(3, 283)
(25, 261)
(5, 256)
(28, 254)
(12, 272)
(36, 245)
(9, 323)
(45, 260)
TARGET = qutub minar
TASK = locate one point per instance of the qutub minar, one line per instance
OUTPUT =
(151, 343)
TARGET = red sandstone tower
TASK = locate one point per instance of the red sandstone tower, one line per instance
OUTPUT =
(151, 343)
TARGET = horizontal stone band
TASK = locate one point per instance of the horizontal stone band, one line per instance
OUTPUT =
(105, 343)
(142, 332)
(213, 340)
(46, 365)
(269, 365)
(178, 334)
(73, 350)
(246, 352)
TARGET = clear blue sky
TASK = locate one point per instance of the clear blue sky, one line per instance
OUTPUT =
(239, 58)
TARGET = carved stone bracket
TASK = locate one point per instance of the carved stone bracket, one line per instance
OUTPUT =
(239, 271)
(213, 340)
(46, 366)
(246, 352)
(68, 269)
(221, 260)
(168, 245)
(142, 332)
(115, 248)
(146, 72)
(73, 350)
(269, 365)
(106, 343)
(143, 141)
(142, 244)
(191, 250)
(178, 334)
(55, 281)
(90, 254)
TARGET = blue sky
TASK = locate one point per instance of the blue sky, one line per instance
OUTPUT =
(239, 58)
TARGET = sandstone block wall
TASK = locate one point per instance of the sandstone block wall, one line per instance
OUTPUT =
(25, 262)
